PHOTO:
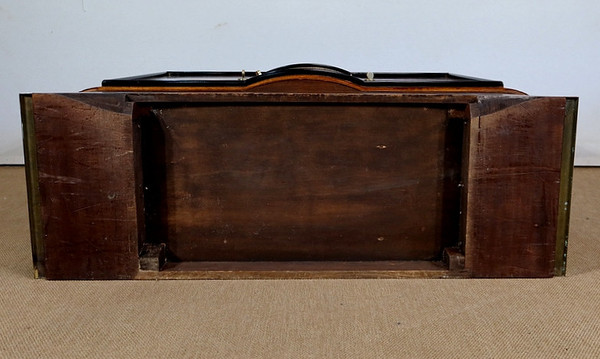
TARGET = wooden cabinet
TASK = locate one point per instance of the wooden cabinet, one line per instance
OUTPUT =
(304, 171)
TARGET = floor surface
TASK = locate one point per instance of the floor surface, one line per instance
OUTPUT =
(412, 318)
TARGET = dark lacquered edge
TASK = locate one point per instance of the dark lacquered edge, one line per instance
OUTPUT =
(33, 191)
(241, 79)
(566, 184)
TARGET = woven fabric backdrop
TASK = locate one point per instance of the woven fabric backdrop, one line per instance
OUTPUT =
(413, 318)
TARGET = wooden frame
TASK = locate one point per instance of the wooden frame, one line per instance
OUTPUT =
(302, 175)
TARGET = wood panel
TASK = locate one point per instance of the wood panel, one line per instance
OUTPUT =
(87, 188)
(301, 182)
(514, 167)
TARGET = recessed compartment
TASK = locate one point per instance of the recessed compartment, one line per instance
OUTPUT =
(285, 182)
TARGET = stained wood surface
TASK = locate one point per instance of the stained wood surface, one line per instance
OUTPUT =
(311, 182)
(87, 186)
(514, 168)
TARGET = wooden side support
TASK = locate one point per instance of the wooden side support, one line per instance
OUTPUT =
(152, 257)
(85, 175)
(513, 186)
(454, 259)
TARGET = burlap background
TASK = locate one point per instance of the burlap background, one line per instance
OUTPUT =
(525, 318)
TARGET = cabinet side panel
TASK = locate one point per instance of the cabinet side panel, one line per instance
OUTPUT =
(513, 187)
(87, 185)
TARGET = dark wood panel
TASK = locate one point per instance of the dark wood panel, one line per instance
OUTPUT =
(312, 182)
(513, 187)
(87, 186)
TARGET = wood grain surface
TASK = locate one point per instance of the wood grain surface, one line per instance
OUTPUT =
(302, 182)
(514, 166)
(87, 186)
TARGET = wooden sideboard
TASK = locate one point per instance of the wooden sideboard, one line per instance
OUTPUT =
(305, 171)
